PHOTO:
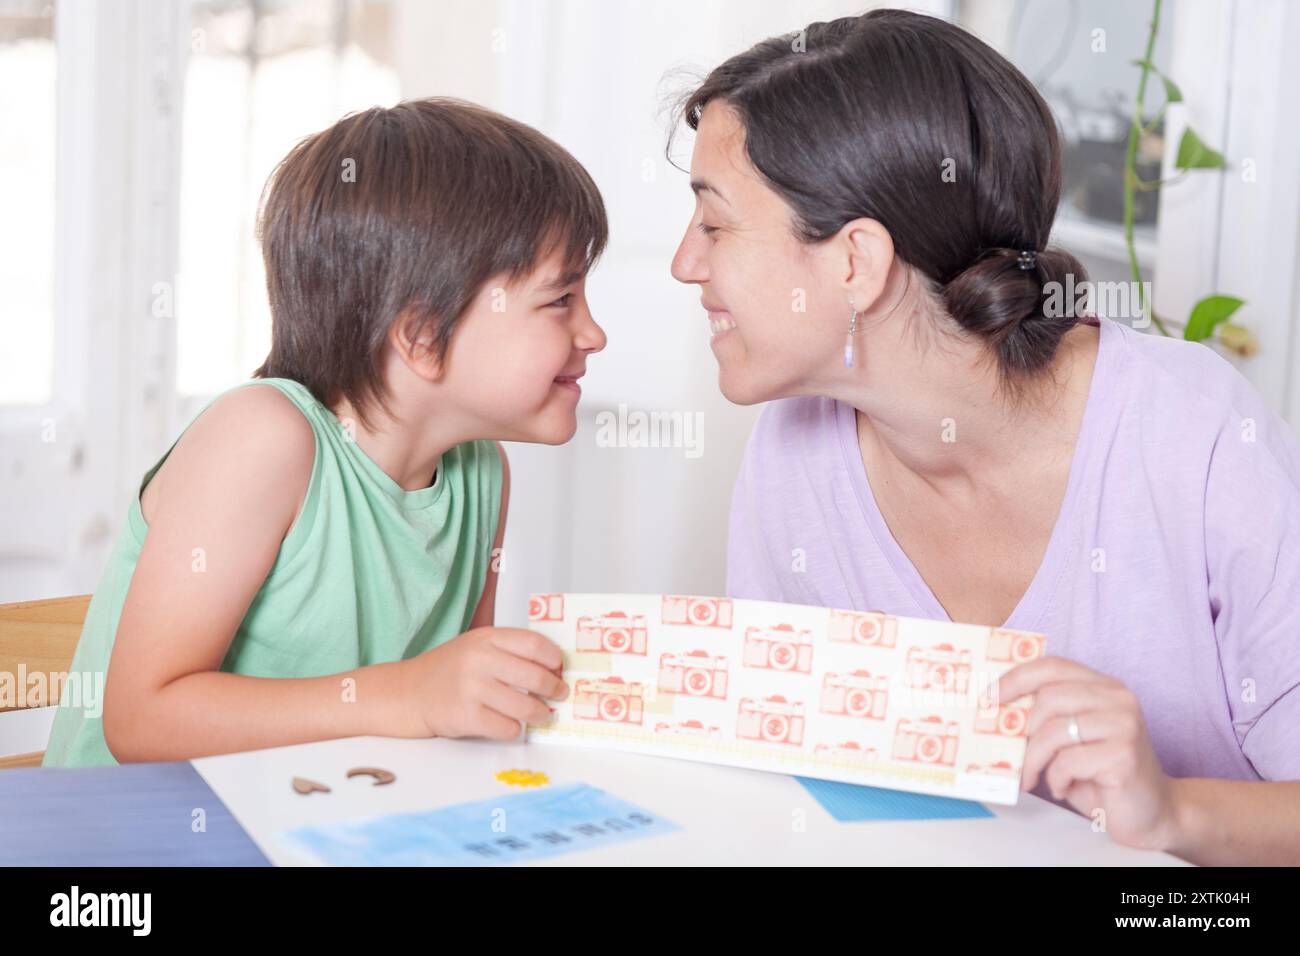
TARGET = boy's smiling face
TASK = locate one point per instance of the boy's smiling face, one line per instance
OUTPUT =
(513, 362)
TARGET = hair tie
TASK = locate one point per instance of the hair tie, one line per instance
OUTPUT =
(1027, 260)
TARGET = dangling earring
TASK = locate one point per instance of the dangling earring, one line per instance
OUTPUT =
(848, 343)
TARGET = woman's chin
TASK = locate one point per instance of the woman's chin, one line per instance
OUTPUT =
(738, 389)
(736, 379)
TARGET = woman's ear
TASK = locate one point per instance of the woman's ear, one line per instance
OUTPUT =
(863, 252)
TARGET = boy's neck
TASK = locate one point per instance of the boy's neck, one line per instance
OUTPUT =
(405, 447)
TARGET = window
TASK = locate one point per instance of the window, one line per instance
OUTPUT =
(27, 103)
(1080, 57)
(260, 77)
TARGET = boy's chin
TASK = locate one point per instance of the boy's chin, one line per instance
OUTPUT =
(562, 438)
(555, 430)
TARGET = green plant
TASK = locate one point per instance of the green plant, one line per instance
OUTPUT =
(1213, 311)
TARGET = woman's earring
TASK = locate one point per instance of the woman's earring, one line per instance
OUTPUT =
(848, 344)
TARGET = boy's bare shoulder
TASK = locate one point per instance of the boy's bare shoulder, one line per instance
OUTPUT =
(254, 438)
(259, 402)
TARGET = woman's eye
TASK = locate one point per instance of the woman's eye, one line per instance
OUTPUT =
(563, 301)
(708, 230)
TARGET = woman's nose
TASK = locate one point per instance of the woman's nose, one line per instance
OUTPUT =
(688, 262)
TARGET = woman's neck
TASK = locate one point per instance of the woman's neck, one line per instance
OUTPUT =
(941, 415)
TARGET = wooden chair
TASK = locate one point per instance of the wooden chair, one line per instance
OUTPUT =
(43, 636)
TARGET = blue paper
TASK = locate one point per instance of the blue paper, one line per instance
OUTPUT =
(849, 801)
(511, 828)
(136, 814)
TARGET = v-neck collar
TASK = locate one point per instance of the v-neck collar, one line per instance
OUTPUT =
(1034, 601)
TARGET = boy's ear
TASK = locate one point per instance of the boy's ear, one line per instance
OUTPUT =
(413, 342)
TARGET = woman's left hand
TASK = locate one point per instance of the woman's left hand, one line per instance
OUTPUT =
(1110, 764)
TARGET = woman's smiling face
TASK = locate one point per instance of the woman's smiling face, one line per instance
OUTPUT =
(777, 314)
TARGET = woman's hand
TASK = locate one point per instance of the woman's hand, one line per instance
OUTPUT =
(1111, 766)
(486, 682)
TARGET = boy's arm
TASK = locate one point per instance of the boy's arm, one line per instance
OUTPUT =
(485, 613)
(233, 487)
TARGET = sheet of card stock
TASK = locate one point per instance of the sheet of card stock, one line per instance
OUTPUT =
(859, 697)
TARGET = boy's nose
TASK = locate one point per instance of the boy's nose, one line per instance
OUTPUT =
(589, 337)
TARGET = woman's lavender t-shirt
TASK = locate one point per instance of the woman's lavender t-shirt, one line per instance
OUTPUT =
(1174, 565)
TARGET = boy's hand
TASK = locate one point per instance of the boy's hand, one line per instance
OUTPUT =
(485, 683)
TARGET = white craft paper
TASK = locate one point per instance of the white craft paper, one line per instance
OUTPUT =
(860, 697)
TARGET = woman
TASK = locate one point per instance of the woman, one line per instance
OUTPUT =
(874, 196)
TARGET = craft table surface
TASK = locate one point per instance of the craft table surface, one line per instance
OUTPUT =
(141, 814)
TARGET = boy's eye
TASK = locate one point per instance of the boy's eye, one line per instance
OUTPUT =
(563, 301)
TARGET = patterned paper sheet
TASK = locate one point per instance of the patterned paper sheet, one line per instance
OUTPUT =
(859, 697)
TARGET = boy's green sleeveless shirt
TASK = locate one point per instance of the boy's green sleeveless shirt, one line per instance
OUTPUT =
(368, 573)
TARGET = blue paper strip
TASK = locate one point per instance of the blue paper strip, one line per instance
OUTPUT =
(849, 801)
(512, 828)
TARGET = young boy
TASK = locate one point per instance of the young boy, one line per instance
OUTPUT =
(297, 565)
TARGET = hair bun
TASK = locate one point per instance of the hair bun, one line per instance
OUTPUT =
(1001, 298)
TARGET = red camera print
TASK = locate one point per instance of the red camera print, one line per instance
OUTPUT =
(610, 700)
(941, 667)
(546, 607)
(855, 695)
(1002, 768)
(773, 720)
(696, 674)
(615, 633)
(688, 728)
(779, 648)
(696, 611)
(929, 740)
(1013, 647)
(850, 749)
(1009, 720)
(864, 627)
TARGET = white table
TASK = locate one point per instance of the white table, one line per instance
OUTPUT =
(727, 815)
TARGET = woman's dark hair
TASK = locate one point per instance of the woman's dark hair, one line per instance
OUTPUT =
(413, 208)
(862, 117)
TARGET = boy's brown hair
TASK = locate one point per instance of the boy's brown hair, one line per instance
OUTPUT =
(411, 208)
